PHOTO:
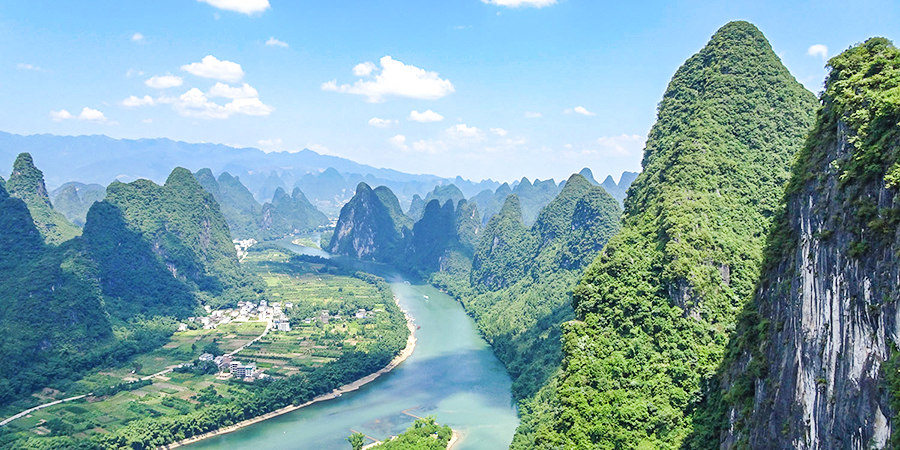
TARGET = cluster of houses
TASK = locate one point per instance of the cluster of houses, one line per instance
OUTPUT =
(241, 246)
(245, 311)
(246, 372)
(325, 316)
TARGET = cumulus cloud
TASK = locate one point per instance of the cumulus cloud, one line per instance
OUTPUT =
(194, 103)
(242, 6)
(224, 90)
(623, 144)
(499, 132)
(381, 123)
(137, 37)
(521, 3)
(364, 69)
(396, 79)
(465, 132)
(427, 116)
(134, 102)
(276, 43)
(147, 121)
(211, 67)
(579, 110)
(818, 50)
(533, 115)
(164, 82)
(87, 115)
(399, 141)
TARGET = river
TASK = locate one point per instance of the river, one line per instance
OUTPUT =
(453, 375)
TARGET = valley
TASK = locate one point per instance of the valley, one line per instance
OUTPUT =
(734, 288)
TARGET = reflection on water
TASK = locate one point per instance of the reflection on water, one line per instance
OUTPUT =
(452, 374)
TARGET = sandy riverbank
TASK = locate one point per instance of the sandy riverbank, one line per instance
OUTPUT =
(405, 353)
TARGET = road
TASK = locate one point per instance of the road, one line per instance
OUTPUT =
(169, 369)
(45, 405)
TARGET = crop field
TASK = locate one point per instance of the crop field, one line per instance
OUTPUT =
(324, 325)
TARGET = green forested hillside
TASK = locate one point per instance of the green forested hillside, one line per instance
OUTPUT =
(519, 287)
(27, 183)
(656, 307)
(532, 197)
(73, 200)
(440, 193)
(240, 209)
(284, 215)
(182, 224)
(371, 226)
(289, 214)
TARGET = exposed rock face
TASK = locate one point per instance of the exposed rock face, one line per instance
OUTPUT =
(371, 225)
(827, 303)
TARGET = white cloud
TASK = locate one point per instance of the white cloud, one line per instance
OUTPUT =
(818, 50)
(381, 123)
(242, 6)
(224, 90)
(133, 102)
(533, 115)
(499, 132)
(133, 73)
(399, 141)
(521, 3)
(583, 111)
(364, 69)
(465, 132)
(194, 103)
(87, 115)
(164, 82)
(579, 110)
(395, 79)
(210, 67)
(276, 43)
(137, 37)
(269, 142)
(427, 116)
(147, 121)
(21, 66)
(624, 144)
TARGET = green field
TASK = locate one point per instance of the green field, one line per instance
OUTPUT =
(314, 292)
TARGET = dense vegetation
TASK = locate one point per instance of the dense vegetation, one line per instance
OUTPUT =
(532, 197)
(284, 215)
(27, 183)
(73, 200)
(656, 308)
(424, 434)
(371, 225)
(519, 286)
(849, 166)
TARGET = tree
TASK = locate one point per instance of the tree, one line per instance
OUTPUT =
(356, 440)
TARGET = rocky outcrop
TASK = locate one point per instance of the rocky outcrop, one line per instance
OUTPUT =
(818, 346)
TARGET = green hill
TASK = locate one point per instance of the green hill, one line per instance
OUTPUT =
(27, 183)
(656, 307)
(73, 200)
(371, 225)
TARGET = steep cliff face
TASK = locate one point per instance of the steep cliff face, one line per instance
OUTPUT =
(371, 226)
(817, 365)
(656, 306)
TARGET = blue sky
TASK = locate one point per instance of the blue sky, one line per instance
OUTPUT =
(478, 88)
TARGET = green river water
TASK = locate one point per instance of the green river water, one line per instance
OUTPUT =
(452, 375)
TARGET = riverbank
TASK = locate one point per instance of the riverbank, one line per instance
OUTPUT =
(405, 353)
(453, 438)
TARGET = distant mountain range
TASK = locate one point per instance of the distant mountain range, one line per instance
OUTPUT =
(327, 181)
